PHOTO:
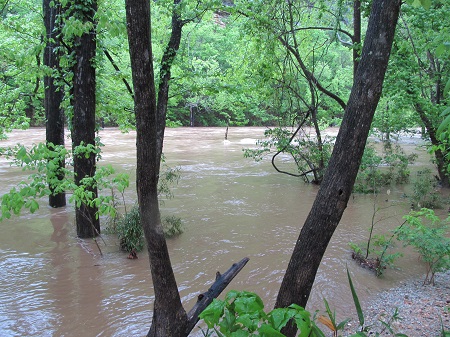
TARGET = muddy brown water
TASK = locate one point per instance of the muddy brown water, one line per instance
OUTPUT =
(53, 284)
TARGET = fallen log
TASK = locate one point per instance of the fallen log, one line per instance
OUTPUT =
(205, 299)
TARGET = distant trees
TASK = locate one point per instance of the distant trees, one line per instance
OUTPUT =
(418, 75)
(310, 69)
(20, 61)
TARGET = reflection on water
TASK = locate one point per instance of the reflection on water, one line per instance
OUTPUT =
(53, 284)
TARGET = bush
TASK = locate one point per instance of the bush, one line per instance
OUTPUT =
(390, 168)
(242, 314)
(130, 232)
(172, 226)
(427, 233)
(424, 191)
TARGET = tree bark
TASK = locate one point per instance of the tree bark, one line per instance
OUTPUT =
(339, 179)
(83, 121)
(53, 96)
(169, 316)
(442, 161)
(165, 72)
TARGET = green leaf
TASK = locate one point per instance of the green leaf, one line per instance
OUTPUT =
(356, 300)
(268, 331)
(280, 316)
(316, 332)
(447, 88)
(34, 206)
(426, 4)
(213, 312)
(248, 303)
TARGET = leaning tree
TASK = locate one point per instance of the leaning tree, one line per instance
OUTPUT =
(340, 176)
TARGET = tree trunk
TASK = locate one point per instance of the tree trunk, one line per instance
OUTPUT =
(169, 316)
(165, 72)
(356, 34)
(339, 179)
(441, 158)
(83, 122)
(53, 97)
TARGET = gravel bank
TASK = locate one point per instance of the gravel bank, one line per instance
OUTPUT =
(420, 307)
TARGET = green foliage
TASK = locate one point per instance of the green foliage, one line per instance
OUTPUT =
(242, 314)
(131, 235)
(130, 232)
(425, 194)
(128, 225)
(172, 226)
(21, 90)
(377, 257)
(428, 234)
(168, 177)
(389, 169)
(309, 155)
(44, 161)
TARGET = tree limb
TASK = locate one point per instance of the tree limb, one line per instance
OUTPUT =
(116, 68)
(204, 299)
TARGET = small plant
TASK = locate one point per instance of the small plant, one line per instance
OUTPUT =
(428, 234)
(424, 193)
(377, 258)
(330, 321)
(374, 254)
(242, 314)
(310, 154)
(172, 226)
(130, 232)
(390, 168)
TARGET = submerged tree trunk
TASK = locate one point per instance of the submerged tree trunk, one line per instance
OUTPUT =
(339, 179)
(53, 97)
(169, 316)
(83, 121)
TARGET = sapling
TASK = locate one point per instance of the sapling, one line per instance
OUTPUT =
(428, 234)
(374, 255)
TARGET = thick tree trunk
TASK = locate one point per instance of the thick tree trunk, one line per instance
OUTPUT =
(339, 179)
(83, 122)
(53, 97)
(169, 316)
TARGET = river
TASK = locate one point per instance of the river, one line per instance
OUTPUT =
(54, 284)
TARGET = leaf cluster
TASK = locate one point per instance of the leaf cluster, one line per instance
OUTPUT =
(241, 314)
(428, 235)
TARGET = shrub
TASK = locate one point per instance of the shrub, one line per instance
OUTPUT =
(172, 226)
(427, 233)
(242, 314)
(376, 170)
(424, 191)
(130, 232)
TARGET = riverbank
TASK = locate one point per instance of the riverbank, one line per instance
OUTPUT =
(420, 308)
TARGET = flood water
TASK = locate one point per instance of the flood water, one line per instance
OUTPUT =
(54, 284)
